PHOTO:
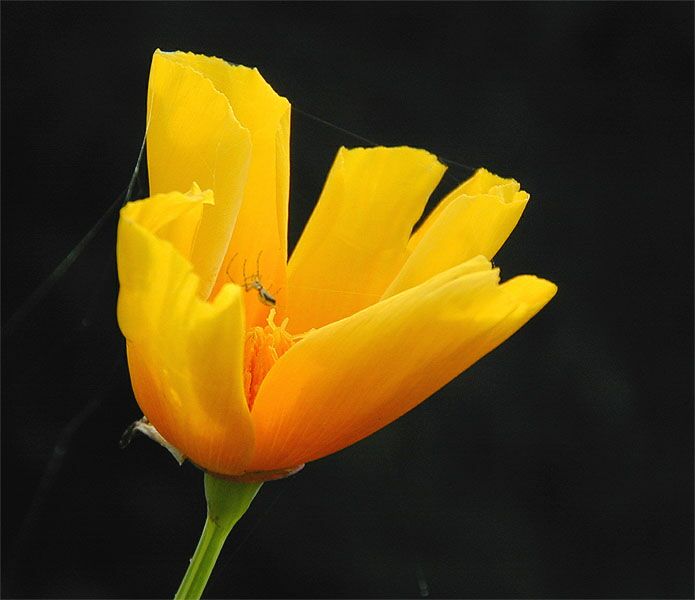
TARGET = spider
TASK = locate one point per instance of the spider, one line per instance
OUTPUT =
(253, 282)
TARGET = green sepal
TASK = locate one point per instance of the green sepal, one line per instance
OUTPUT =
(228, 500)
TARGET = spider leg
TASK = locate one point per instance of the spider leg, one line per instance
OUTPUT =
(229, 264)
(258, 265)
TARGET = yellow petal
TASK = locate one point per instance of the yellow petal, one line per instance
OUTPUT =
(355, 241)
(172, 217)
(185, 354)
(465, 227)
(193, 136)
(481, 182)
(261, 226)
(346, 380)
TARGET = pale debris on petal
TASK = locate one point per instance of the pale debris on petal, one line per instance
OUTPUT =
(146, 428)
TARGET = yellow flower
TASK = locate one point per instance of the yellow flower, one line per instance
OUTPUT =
(369, 318)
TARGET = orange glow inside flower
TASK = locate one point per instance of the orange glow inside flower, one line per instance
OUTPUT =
(263, 347)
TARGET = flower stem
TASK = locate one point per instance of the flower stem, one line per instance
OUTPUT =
(227, 501)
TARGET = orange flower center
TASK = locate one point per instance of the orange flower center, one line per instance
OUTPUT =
(264, 345)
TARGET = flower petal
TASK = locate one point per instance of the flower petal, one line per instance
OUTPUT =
(261, 226)
(465, 226)
(481, 182)
(348, 379)
(173, 217)
(355, 241)
(193, 136)
(185, 354)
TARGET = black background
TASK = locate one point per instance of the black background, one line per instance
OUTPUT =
(558, 466)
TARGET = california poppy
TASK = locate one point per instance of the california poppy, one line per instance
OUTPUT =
(251, 365)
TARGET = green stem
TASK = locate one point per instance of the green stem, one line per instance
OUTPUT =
(203, 561)
(227, 501)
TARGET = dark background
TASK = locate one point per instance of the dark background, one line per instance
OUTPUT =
(558, 466)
